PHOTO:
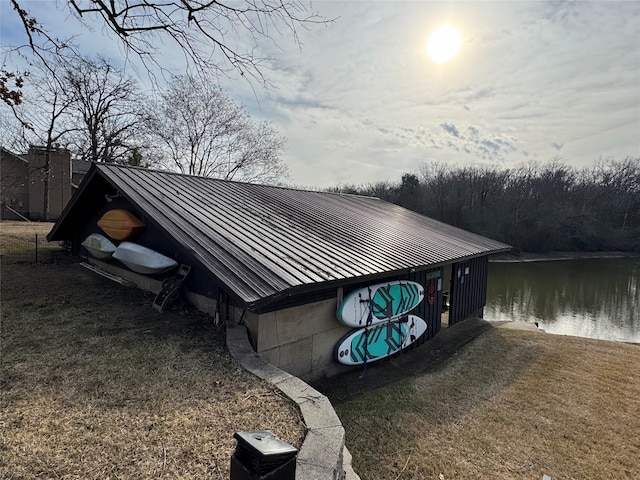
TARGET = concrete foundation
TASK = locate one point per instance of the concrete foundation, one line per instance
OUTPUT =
(300, 340)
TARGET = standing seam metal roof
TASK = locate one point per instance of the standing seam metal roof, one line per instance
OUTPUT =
(261, 241)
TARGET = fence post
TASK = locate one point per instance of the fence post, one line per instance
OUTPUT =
(36, 248)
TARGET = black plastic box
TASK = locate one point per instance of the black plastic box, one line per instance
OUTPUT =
(261, 456)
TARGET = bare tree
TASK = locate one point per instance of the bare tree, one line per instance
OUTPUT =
(105, 105)
(41, 120)
(212, 35)
(56, 103)
(204, 132)
(436, 177)
(40, 116)
(12, 136)
(619, 189)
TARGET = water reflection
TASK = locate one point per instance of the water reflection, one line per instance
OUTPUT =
(596, 298)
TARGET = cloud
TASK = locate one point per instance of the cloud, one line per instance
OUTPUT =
(450, 128)
(478, 143)
(361, 101)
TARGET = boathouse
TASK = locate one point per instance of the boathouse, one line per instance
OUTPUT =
(278, 259)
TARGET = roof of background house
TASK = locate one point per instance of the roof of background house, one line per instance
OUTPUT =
(263, 242)
(17, 156)
(80, 165)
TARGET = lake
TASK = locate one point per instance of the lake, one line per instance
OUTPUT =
(594, 298)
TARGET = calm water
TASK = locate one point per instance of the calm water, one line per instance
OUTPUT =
(595, 298)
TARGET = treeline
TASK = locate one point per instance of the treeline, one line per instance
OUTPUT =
(533, 207)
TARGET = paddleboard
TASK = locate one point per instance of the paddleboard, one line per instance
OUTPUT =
(99, 246)
(120, 224)
(380, 341)
(389, 300)
(142, 259)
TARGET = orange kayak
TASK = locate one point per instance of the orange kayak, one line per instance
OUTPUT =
(120, 224)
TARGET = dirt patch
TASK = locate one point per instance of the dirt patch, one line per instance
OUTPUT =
(97, 384)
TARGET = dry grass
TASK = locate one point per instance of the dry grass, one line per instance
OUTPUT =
(27, 242)
(96, 384)
(511, 405)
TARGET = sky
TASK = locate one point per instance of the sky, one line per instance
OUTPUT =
(361, 101)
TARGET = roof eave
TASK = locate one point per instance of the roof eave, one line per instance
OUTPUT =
(266, 303)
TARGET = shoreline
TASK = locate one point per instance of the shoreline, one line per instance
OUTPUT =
(522, 257)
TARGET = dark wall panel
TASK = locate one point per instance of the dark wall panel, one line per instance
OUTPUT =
(431, 307)
(468, 290)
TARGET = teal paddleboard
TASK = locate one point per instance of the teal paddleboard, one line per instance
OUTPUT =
(380, 341)
(379, 303)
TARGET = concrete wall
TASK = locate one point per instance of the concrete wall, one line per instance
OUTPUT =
(300, 340)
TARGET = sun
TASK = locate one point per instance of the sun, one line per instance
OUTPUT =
(444, 43)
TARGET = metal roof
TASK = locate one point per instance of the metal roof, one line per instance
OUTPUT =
(265, 241)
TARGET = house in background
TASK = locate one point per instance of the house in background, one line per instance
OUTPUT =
(280, 260)
(14, 185)
(26, 191)
(79, 168)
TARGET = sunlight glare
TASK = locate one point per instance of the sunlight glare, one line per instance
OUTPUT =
(444, 43)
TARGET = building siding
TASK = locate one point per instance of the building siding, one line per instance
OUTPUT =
(468, 289)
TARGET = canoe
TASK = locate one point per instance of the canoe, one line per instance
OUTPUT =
(142, 259)
(120, 224)
(99, 246)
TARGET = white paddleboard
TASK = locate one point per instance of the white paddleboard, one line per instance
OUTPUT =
(383, 301)
(380, 341)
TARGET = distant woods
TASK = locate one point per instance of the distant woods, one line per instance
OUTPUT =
(532, 207)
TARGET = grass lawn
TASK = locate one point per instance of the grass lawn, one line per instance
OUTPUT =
(94, 383)
(510, 405)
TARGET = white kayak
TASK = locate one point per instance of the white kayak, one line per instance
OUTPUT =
(142, 259)
(99, 246)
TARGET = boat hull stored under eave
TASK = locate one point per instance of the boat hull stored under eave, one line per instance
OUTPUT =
(142, 259)
(120, 224)
(99, 246)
